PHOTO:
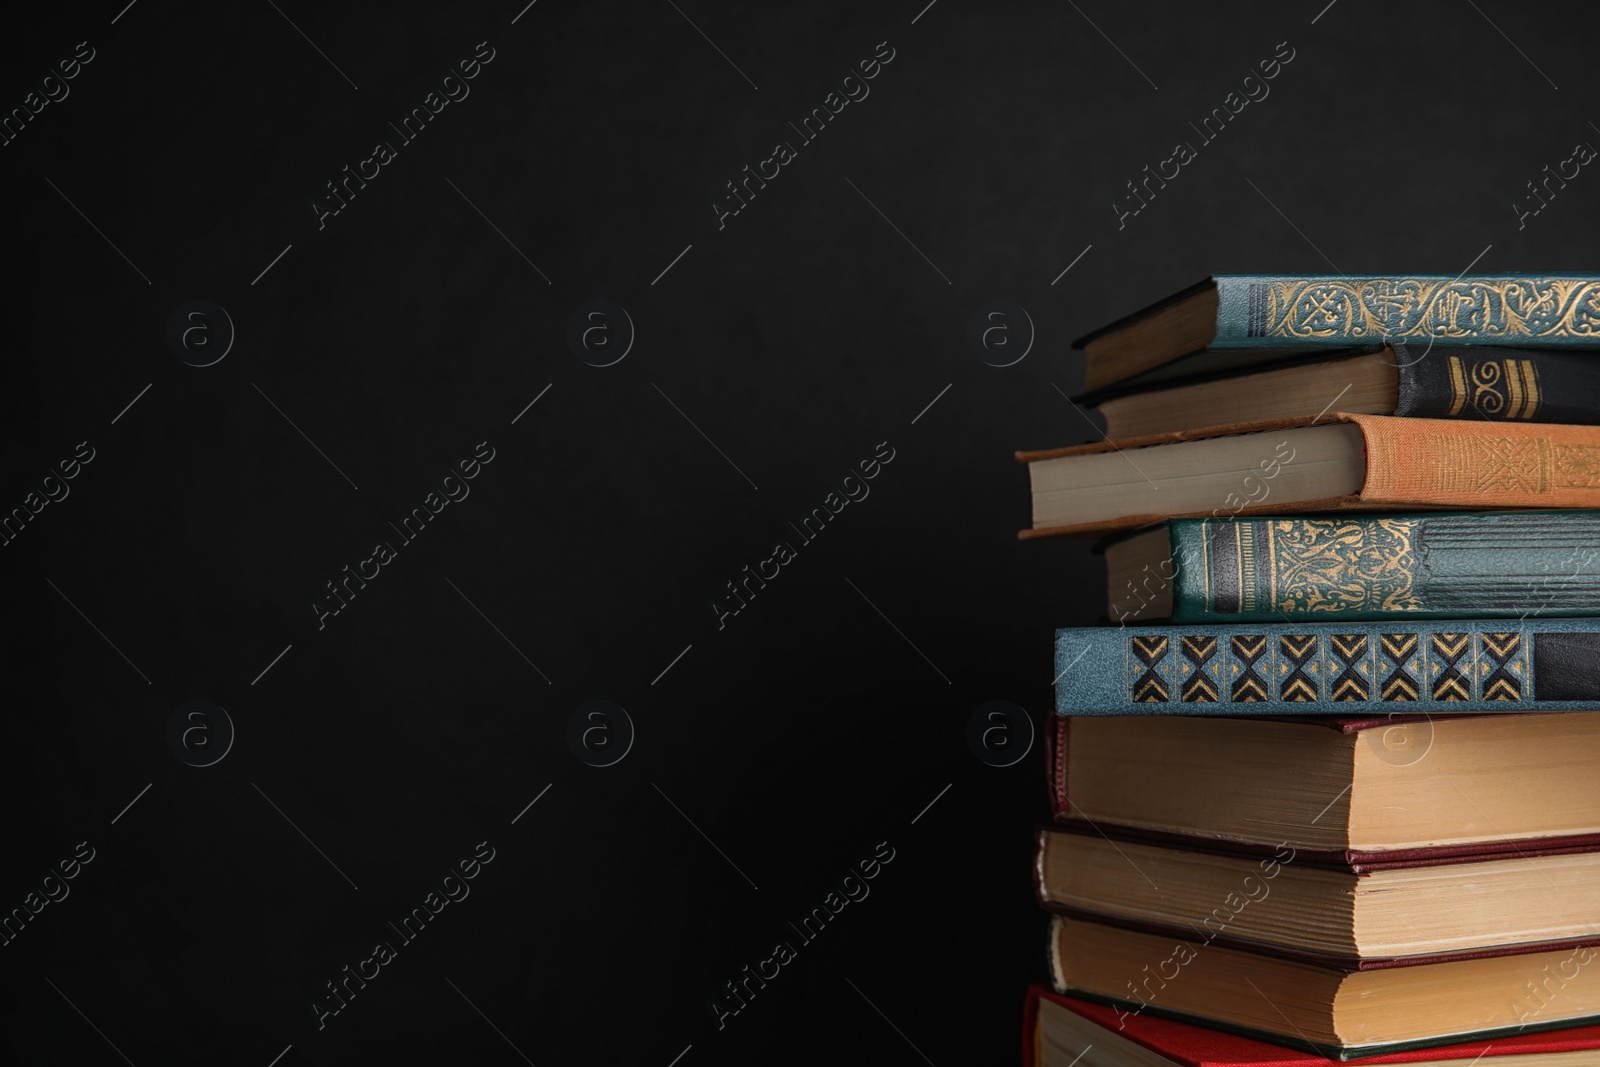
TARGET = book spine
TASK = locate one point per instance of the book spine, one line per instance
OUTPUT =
(1341, 668)
(1513, 566)
(1497, 384)
(1477, 464)
(1261, 311)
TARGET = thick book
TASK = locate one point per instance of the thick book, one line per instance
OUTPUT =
(1335, 791)
(1413, 381)
(1062, 1031)
(1359, 566)
(1428, 904)
(1333, 462)
(1334, 1012)
(1271, 314)
(1323, 668)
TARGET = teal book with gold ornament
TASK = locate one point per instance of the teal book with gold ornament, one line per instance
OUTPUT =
(1486, 565)
(1274, 314)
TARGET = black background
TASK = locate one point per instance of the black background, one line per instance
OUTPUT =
(817, 722)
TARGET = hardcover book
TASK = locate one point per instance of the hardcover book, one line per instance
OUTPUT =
(1356, 566)
(1270, 314)
(1339, 1013)
(1332, 463)
(1060, 1031)
(1418, 381)
(1321, 668)
(1426, 904)
(1341, 792)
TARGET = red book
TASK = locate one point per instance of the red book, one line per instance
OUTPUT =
(1093, 1035)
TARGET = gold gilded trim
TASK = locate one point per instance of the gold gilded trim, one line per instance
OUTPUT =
(1505, 309)
(1514, 387)
(1247, 567)
(1339, 566)
(1458, 386)
(1530, 381)
(1272, 569)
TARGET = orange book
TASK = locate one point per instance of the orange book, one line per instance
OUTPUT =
(1330, 463)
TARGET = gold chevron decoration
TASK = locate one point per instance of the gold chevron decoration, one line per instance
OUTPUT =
(1352, 683)
(1200, 669)
(1400, 687)
(1447, 666)
(1148, 682)
(1249, 647)
(1502, 665)
(1399, 665)
(1399, 647)
(1450, 681)
(1299, 684)
(1249, 687)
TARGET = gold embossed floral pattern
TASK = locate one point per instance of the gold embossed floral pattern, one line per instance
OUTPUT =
(1335, 565)
(1511, 309)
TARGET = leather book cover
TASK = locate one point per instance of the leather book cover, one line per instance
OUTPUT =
(1056, 734)
(1545, 311)
(1410, 463)
(1329, 668)
(1211, 365)
(1172, 437)
(1188, 1045)
(1370, 567)
(1342, 1053)
(1498, 384)
(1297, 312)
(1434, 381)
(1351, 862)
(1267, 311)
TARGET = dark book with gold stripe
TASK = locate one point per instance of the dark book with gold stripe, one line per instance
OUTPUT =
(1361, 567)
(1417, 381)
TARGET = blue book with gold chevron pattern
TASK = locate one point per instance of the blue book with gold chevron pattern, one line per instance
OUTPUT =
(1330, 668)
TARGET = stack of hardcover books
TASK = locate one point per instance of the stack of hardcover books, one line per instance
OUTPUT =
(1325, 787)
